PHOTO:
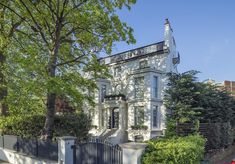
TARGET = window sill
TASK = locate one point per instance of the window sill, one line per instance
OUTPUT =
(139, 127)
(156, 129)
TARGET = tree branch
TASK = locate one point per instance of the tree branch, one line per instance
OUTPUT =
(72, 61)
(14, 27)
(64, 5)
(36, 23)
(12, 10)
(70, 32)
(45, 20)
(75, 7)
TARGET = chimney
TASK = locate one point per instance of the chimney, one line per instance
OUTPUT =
(168, 33)
(167, 21)
(167, 25)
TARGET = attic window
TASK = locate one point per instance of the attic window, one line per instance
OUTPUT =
(143, 64)
(117, 70)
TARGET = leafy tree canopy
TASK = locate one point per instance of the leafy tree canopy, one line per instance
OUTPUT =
(189, 100)
(54, 50)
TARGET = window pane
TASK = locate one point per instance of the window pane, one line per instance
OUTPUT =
(143, 64)
(139, 115)
(139, 87)
(117, 70)
(103, 92)
(135, 116)
(155, 113)
(155, 86)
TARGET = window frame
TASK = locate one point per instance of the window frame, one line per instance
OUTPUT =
(139, 115)
(117, 70)
(139, 87)
(143, 64)
(155, 123)
(103, 92)
(155, 86)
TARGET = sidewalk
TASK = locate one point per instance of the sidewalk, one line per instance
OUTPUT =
(224, 157)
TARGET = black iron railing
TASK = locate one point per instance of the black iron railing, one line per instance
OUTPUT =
(32, 147)
(97, 151)
(115, 97)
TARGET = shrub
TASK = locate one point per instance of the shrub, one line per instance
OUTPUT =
(227, 135)
(30, 126)
(219, 135)
(171, 128)
(181, 150)
(26, 126)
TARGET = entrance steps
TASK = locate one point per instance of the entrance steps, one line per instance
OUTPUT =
(107, 133)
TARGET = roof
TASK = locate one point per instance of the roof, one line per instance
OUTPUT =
(131, 54)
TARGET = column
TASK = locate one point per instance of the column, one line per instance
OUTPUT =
(65, 154)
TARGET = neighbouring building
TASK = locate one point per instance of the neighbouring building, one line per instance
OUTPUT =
(228, 85)
(129, 106)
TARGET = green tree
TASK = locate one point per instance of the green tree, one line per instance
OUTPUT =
(182, 96)
(57, 46)
(216, 104)
(8, 24)
(191, 101)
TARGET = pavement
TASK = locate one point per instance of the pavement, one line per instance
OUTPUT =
(226, 160)
(226, 156)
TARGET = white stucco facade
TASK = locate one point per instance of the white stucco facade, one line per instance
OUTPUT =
(129, 106)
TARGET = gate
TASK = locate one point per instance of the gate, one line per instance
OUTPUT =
(96, 151)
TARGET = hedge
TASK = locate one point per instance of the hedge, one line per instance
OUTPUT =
(181, 150)
(74, 124)
(219, 135)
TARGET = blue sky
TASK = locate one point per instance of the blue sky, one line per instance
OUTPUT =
(204, 31)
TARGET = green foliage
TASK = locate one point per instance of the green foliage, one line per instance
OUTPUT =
(171, 128)
(227, 135)
(182, 96)
(54, 51)
(220, 135)
(76, 125)
(25, 126)
(216, 104)
(182, 150)
(72, 28)
(30, 126)
(190, 101)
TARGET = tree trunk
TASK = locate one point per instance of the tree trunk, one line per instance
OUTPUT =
(47, 132)
(3, 88)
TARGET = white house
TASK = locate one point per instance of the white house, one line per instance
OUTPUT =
(129, 106)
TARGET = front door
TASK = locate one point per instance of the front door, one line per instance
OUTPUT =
(115, 121)
(114, 118)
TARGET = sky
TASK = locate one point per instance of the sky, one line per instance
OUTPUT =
(204, 31)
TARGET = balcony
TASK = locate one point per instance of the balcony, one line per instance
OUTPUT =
(115, 97)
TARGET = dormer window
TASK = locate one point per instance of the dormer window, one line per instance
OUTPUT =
(117, 70)
(143, 64)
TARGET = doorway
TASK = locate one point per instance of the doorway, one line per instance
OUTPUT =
(114, 118)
